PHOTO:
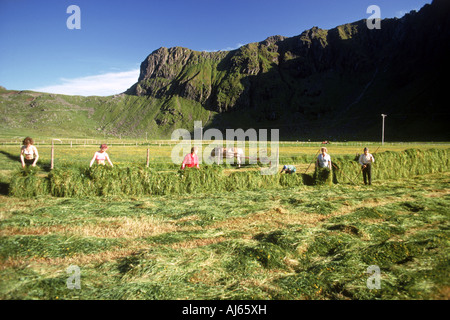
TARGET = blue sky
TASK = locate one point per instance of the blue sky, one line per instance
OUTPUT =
(38, 52)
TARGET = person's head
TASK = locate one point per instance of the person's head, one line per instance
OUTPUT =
(194, 150)
(323, 150)
(366, 150)
(27, 141)
(103, 147)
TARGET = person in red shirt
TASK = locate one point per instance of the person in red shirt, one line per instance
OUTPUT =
(191, 159)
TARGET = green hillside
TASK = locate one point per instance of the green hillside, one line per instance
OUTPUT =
(126, 116)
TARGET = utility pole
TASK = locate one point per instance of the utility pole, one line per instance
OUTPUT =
(382, 130)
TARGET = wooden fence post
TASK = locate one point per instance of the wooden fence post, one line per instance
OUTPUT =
(53, 154)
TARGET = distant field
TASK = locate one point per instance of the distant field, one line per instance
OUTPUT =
(123, 152)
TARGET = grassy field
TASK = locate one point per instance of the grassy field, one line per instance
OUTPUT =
(135, 151)
(274, 242)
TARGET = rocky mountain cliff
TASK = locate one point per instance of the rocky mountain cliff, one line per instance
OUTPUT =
(320, 84)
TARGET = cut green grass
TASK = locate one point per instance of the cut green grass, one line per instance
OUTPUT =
(307, 242)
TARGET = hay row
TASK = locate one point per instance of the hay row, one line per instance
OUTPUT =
(79, 181)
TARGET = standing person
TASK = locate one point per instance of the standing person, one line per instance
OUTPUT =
(191, 159)
(27, 153)
(366, 160)
(323, 173)
(100, 156)
(323, 159)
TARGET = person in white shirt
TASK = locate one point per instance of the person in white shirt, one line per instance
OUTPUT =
(324, 159)
(366, 160)
(28, 153)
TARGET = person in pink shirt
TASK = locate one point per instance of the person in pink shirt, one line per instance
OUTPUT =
(191, 159)
(101, 156)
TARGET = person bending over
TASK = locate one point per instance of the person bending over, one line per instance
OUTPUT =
(191, 159)
(28, 153)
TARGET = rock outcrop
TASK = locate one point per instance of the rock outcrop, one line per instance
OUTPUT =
(319, 74)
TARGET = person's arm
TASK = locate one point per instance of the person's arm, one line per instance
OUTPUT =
(183, 164)
(109, 161)
(22, 158)
(373, 159)
(37, 156)
(197, 165)
(93, 159)
(360, 160)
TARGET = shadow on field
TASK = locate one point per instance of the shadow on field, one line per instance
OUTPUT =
(11, 156)
(44, 165)
(4, 188)
(308, 180)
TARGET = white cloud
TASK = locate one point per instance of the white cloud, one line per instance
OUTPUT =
(99, 85)
(238, 45)
(401, 13)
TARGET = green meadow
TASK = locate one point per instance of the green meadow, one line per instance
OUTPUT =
(156, 232)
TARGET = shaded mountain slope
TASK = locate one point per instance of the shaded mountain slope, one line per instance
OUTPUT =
(323, 83)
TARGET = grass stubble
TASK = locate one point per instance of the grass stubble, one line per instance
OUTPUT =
(295, 242)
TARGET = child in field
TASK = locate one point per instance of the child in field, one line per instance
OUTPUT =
(101, 156)
(27, 153)
(288, 169)
(191, 159)
(366, 160)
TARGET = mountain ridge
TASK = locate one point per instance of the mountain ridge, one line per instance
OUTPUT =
(264, 80)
